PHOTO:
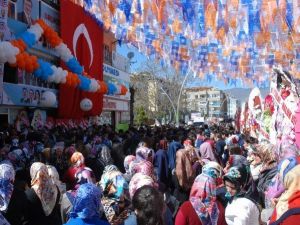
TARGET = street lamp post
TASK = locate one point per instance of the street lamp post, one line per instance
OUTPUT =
(170, 100)
(179, 97)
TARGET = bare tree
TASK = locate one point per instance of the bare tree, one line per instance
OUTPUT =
(157, 89)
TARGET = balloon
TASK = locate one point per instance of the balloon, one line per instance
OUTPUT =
(86, 104)
(48, 99)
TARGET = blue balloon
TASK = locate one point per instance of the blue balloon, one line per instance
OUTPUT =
(74, 66)
(28, 38)
(44, 71)
(84, 83)
(111, 89)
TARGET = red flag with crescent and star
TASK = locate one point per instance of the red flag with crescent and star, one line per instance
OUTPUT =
(84, 37)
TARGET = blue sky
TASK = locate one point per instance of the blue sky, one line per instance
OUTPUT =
(140, 58)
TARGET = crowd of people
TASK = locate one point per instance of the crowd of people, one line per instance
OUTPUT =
(209, 175)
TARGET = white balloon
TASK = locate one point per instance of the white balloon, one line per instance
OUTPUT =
(86, 104)
(11, 59)
(64, 52)
(48, 99)
(94, 86)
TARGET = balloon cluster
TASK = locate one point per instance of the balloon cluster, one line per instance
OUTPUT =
(14, 53)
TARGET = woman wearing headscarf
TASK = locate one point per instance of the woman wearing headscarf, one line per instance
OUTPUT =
(207, 153)
(7, 177)
(138, 181)
(144, 153)
(184, 171)
(268, 171)
(83, 176)
(241, 209)
(115, 195)
(42, 198)
(287, 209)
(203, 207)
(55, 179)
(17, 207)
(103, 159)
(77, 163)
(86, 206)
(144, 167)
(127, 166)
(161, 163)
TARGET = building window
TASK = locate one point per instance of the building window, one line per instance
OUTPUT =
(196, 96)
(106, 54)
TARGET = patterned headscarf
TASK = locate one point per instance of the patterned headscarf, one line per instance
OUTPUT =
(139, 180)
(127, 161)
(18, 159)
(289, 173)
(84, 175)
(43, 186)
(113, 184)
(87, 202)
(238, 175)
(77, 159)
(105, 156)
(212, 169)
(266, 153)
(7, 177)
(144, 167)
(115, 190)
(144, 153)
(55, 179)
(203, 199)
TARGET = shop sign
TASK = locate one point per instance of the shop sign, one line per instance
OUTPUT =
(115, 105)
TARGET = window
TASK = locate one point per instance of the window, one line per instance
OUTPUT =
(107, 55)
(196, 96)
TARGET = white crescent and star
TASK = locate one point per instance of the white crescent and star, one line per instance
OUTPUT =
(81, 29)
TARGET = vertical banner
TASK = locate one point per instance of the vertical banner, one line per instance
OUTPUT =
(3, 28)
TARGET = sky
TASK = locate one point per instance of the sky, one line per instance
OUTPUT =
(140, 58)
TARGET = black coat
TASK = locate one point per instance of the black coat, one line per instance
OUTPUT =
(36, 215)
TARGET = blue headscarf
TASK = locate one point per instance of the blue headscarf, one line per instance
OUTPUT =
(173, 148)
(87, 202)
(7, 177)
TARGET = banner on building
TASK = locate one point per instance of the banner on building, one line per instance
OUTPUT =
(24, 95)
(50, 15)
(85, 39)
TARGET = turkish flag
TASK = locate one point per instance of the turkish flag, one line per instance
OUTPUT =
(84, 37)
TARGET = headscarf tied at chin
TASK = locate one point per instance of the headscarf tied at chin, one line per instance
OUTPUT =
(43, 186)
(7, 177)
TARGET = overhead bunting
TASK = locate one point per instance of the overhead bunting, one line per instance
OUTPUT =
(228, 39)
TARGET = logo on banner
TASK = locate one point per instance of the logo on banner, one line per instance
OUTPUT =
(81, 29)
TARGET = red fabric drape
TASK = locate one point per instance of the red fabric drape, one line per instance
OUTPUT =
(73, 18)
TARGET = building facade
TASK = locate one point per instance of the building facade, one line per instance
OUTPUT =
(233, 105)
(21, 91)
(210, 102)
